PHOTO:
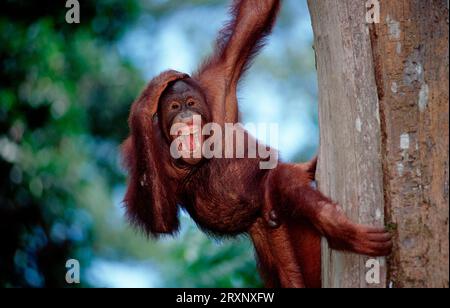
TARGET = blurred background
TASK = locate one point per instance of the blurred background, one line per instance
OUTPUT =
(65, 94)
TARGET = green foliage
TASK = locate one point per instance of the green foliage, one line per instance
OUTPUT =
(52, 77)
(224, 263)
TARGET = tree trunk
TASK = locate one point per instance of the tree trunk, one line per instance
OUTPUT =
(383, 105)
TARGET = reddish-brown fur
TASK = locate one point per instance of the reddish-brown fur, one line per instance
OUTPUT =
(234, 196)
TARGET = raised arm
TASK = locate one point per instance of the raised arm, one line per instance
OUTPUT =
(238, 43)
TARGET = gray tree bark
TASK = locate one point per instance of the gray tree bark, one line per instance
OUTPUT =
(383, 105)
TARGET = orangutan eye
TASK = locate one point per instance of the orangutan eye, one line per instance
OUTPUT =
(190, 103)
(175, 106)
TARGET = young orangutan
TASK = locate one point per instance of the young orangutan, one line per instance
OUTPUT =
(280, 210)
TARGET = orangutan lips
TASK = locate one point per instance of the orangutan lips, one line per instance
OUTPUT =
(190, 139)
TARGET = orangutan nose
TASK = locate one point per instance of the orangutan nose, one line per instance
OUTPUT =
(185, 115)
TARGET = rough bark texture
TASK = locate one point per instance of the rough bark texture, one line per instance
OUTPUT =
(350, 169)
(384, 132)
(411, 59)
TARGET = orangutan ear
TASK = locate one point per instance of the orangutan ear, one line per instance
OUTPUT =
(150, 198)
